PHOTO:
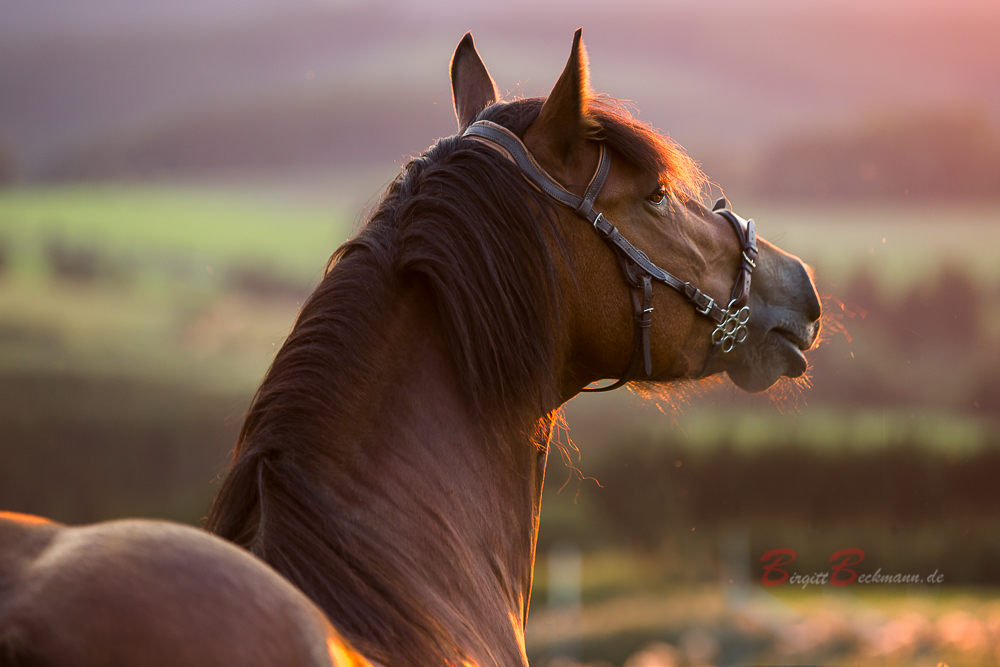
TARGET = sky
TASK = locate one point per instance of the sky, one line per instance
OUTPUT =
(30, 19)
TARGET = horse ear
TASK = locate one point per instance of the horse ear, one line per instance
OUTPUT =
(563, 121)
(472, 87)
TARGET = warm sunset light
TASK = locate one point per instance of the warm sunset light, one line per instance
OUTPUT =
(24, 519)
(801, 469)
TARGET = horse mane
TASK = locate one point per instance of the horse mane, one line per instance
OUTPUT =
(464, 221)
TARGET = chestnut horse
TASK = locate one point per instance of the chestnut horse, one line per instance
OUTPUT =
(390, 466)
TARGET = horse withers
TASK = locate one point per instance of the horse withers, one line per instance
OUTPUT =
(391, 463)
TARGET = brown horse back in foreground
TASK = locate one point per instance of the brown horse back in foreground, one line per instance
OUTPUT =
(149, 593)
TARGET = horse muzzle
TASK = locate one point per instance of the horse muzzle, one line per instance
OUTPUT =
(785, 322)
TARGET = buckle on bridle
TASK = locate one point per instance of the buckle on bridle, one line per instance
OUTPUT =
(708, 308)
(600, 218)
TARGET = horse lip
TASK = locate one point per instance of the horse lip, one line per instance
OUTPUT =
(798, 340)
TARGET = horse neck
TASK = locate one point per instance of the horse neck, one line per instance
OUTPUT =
(429, 498)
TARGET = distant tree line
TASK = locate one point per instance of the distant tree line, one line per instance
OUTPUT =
(910, 508)
(932, 346)
(900, 156)
(342, 128)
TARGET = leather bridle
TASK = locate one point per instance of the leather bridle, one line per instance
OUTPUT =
(638, 270)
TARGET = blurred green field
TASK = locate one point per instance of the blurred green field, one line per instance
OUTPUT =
(217, 225)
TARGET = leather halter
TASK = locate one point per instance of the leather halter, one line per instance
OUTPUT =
(638, 270)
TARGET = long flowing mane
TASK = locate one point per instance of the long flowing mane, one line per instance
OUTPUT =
(463, 220)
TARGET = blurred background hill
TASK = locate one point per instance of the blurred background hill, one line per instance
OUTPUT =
(126, 90)
(174, 176)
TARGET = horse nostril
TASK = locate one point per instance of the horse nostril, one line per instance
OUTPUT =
(811, 299)
(815, 309)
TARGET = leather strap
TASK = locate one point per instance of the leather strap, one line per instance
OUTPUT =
(642, 318)
(746, 231)
(584, 206)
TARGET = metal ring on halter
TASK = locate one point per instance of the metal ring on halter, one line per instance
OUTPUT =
(733, 328)
(720, 333)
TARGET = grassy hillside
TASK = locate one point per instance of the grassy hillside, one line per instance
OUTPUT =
(229, 227)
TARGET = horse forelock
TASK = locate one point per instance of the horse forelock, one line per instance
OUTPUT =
(645, 147)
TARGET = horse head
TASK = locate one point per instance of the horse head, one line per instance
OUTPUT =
(698, 315)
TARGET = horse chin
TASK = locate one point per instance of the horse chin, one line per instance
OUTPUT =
(760, 366)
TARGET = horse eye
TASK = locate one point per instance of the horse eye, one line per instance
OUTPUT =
(659, 194)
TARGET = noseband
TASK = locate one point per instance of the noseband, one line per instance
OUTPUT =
(638, 270)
